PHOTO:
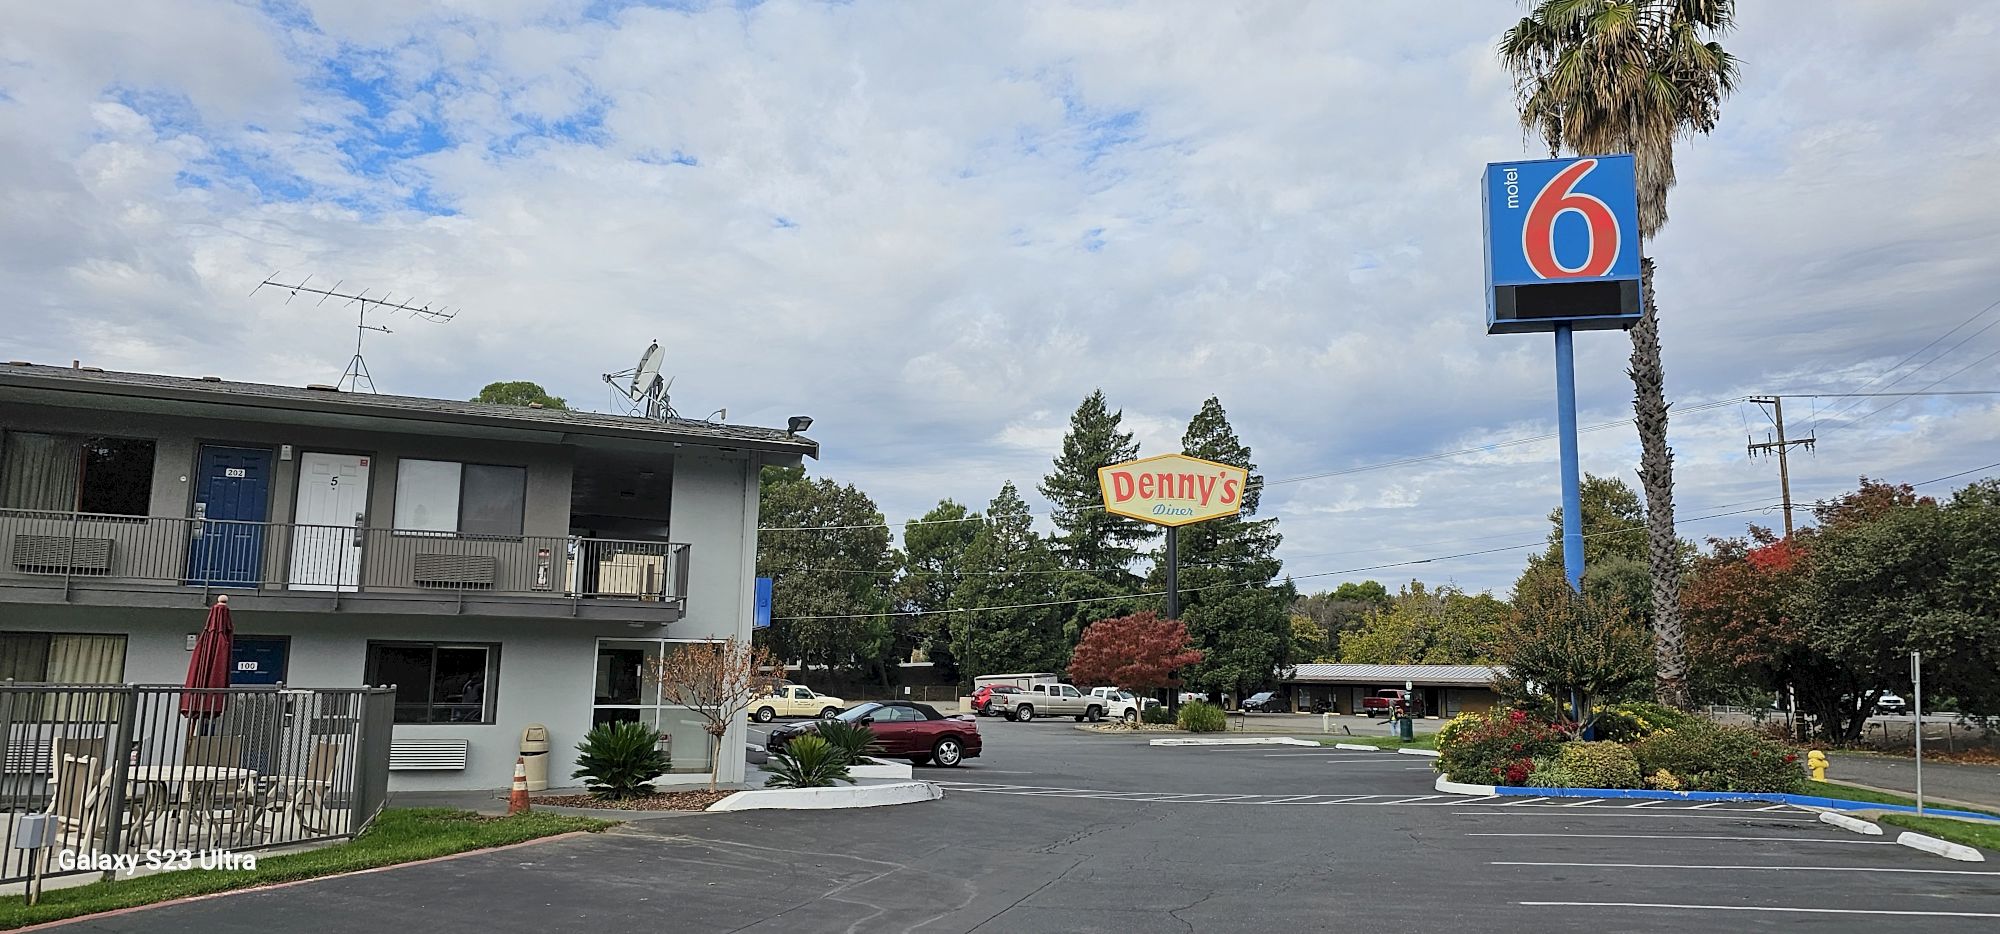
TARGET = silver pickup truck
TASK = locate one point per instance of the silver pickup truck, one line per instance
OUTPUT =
(1049, 700)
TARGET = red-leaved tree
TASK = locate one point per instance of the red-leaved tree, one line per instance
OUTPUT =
(1139, 653)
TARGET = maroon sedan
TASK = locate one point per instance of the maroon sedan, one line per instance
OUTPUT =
(905, 730)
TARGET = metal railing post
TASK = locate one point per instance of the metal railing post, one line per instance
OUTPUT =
(69, 558)
(121, 763)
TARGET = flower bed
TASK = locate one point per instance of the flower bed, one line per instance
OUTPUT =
(665, 801)
(1661, 748)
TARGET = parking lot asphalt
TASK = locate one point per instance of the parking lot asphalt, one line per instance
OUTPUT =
(1053, 830)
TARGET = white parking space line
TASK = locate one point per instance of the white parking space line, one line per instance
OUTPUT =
(1690, 836)
(1772, 908)
(1530, 812)
(1891, 869)
(1408, 800)
(1588, 801)
(1359, 756)
(1708, 805)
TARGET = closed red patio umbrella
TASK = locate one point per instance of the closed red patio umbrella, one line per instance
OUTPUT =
(208, 670)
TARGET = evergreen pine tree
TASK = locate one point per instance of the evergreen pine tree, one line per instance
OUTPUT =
(1095, 546)
(1007, 564)
(1235, 615)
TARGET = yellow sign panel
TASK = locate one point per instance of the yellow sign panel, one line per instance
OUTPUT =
(1172, 489)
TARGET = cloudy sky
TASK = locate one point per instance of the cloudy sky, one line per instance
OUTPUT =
(936, 226)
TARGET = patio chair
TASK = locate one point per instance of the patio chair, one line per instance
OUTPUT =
(83, 789)
(300, 800)
(228, 809)
(219, 751)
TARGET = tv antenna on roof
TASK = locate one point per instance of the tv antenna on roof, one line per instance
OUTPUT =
(357, 368)
(643, 387)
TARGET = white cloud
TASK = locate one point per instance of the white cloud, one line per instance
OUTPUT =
(936, 228)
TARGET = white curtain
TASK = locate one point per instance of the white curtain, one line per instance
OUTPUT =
(39, 471)
(84, 659)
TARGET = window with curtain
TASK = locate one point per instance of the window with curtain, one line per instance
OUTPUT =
(470, 499)
(66, 658)
(58, 473)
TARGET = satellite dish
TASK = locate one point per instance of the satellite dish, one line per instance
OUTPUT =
(647, 376)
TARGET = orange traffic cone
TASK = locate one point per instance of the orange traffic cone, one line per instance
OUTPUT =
(517, 799)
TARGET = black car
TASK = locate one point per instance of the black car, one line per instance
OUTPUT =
(1265, 702)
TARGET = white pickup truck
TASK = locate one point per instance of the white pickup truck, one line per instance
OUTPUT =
(1119, 704)
(1049, 700)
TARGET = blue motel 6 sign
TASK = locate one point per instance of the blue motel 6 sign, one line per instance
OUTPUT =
(1562, 244)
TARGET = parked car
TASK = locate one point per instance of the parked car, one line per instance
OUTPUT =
(1383, 703)
(1120, 704)
(1891, 703)
(982, 699)
(1266, 702)
(795, 701)
(1049, 700)
(905, 730)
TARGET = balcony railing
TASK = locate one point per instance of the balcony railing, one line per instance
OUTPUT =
(226, 555)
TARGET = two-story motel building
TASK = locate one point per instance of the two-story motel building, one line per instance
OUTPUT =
(500, 565)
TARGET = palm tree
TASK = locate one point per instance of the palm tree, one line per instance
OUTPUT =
(1608, 76)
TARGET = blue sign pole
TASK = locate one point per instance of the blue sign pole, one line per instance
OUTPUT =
(1572, 484)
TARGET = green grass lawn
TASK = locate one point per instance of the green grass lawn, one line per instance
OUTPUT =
(1852, 793)
(1971, 833)
(1423, 741)
(400, 835)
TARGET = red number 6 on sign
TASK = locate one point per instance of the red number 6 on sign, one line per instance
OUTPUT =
(1538, 234)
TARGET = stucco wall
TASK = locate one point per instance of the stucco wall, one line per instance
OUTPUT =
(715, 512)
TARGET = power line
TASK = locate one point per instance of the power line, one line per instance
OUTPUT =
(1940, 379)
(1920, 368)
(1899, 364)
(1161, 593)
(1400, 462)
(1355, 570)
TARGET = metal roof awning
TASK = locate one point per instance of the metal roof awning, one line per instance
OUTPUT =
(1431, 675)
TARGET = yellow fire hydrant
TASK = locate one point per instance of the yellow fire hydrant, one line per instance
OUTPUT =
(1816, 761)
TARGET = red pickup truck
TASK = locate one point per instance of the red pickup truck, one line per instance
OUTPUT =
(1383, 703)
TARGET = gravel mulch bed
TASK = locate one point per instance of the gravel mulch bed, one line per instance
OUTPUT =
(1143, 728)
(665, 801)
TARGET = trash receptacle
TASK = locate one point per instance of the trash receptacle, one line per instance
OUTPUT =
(1406, 728)
(535, 754)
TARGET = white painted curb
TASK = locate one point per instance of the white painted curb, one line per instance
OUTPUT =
(1944, 848)
(1357, 746)
(1432, 753)
(1460, 788)
(877, 768)
(1849, 823)
(1237, 741)
(823, 799)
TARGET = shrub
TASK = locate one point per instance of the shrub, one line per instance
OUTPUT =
(1633, 721)
(808, 762)
(1598, 765)
(1703, 756)
(1202, 717)
(1663, 780)
(1497, 749)
(1547, 772)
(1158, 715)
(620, 760)
(850, 739)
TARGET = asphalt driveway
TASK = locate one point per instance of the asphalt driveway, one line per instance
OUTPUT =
(1058, 831)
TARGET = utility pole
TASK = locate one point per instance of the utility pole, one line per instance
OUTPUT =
(1781, 445)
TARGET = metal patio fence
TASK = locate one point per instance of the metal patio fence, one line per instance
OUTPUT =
(132, 769)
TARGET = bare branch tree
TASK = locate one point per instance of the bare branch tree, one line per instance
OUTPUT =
(716, 679)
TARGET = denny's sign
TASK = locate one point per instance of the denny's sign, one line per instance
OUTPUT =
(1172, 489)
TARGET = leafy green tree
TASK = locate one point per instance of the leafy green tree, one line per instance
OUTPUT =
(827, 552)
(1425, 626)
(1007, 565)
(1341, 611)
(1615, 560)
(1309, 641)
(1916, 577)
(519, 392)
(1599, 76)
(934, 550)
(1564, 652)
(1096, 547)
(1237, 617)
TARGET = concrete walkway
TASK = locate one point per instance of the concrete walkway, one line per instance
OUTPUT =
(1977, 785)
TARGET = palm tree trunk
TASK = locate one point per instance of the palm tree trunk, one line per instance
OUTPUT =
(1656, 476)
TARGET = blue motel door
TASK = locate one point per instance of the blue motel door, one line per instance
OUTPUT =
(231, 502)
